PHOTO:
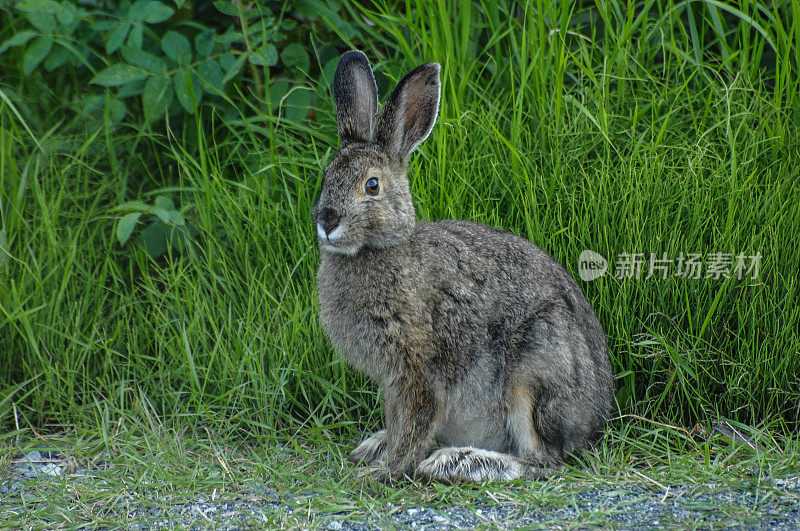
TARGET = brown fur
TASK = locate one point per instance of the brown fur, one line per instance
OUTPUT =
(483, 345)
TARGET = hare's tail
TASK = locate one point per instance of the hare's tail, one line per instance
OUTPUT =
(474, 465)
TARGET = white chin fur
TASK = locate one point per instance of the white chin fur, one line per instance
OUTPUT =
(328, 242)
(349, 251)
(333, 237)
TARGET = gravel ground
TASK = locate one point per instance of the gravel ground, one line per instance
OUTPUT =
(773, 504)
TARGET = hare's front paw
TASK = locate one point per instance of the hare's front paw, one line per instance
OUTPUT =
(473, 465)
(372, 451)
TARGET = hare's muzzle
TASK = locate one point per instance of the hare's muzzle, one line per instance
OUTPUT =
(327, 220)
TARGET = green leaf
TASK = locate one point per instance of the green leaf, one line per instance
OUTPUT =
(226, 7)
(44, 22)
(277, 91)
(140, 58)
(204, 43)
(333, 20)
(94, 109)
(235, 68)
(177, 47)
(17, 40)
(134, 88)
(231, 36)
(38, 6)
(125, 226)
(328, 71)
(132, 205)
(117, 37)
(162, 214)
(57, 57)
(187, 86)
(104, 25)
(226, 61)
(156, 96)
(164, 202)
(179, 3)
(135, 36)
(210, 72)
(176, 218)
(158, 13)
(116, 110)
(154, 239)
(294, 56)
(310, 9)
(118, 74)
(36, 53)
(264, 55)
(65, 13)
(139, 10)
(297, 104)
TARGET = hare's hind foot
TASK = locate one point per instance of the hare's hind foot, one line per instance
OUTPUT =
(467, 464)
(371, 451)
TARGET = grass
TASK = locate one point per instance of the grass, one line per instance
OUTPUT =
(663, 127)
(147, 476)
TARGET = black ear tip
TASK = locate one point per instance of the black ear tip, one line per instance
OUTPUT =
(353, 57)
(430, 71)
(435, 69)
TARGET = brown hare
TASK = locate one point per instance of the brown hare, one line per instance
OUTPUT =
(491, 361)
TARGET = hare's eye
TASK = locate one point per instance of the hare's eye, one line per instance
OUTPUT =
(371, 186)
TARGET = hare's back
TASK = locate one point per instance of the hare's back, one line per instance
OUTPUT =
(489, 290)
(488, 255)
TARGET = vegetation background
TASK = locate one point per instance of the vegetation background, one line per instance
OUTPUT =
(158, 162)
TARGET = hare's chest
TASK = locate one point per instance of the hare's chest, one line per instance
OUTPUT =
(346, 321)
(364, 321)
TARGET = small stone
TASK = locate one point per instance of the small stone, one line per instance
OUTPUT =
(34, 456)
(51, 469)
(412, 512)
(439, 519)
(334, 525)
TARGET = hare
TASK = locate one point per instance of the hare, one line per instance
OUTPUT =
(491, 362)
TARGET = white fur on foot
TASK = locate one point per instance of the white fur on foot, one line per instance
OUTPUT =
(471, 464)
(372, 451)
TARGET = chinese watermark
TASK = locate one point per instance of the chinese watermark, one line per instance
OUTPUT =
(592, 265)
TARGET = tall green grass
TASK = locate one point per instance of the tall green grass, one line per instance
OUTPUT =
(653, 127)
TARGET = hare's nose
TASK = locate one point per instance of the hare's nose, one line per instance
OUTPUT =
(329, 219)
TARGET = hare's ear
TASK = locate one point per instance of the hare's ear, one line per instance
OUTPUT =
(408, 115)
(356, 98)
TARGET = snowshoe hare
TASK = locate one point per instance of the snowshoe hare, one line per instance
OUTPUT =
(491, 362)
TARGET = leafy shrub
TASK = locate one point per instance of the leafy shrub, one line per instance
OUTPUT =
(167, 59)
(167, 227)
(149, 59)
